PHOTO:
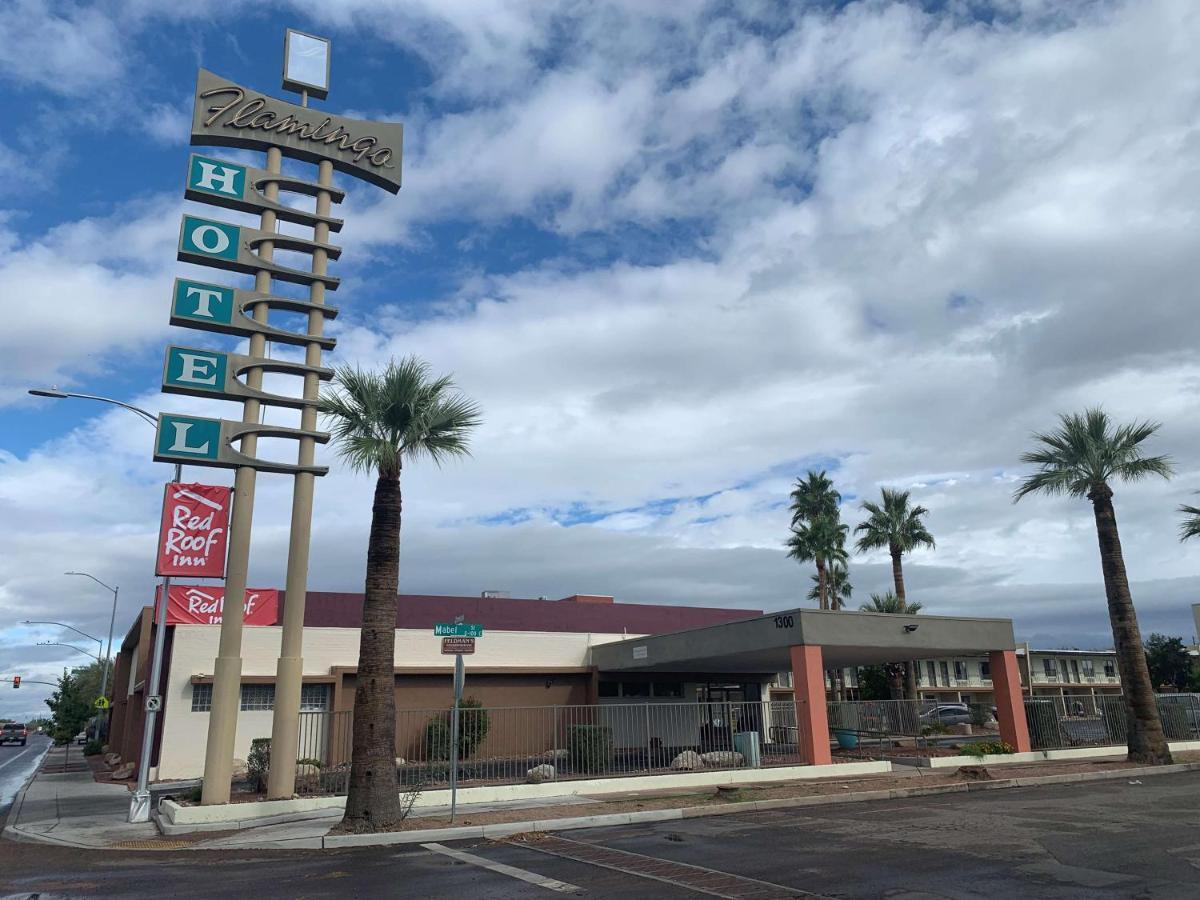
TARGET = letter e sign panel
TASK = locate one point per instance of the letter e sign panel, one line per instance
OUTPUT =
(194, 530)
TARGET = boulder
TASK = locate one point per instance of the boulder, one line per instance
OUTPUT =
(722, 758)
(124, 771)
(401, 761)
(112, 759)
(555, 756)
(963, 728)
(538, 774)
(307, 769)
(687, 761)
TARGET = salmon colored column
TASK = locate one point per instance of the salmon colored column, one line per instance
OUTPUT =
(1010, 703)
(812, 714)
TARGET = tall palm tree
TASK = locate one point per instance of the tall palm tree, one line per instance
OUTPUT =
(1191, 522)
(837, 585)
(822, 541)
(1080, 458)
(817, 533)
(379, 420)
(896, 526)
(890, 603)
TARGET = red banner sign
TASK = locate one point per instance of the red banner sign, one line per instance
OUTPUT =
(194, 530)
(189, 604)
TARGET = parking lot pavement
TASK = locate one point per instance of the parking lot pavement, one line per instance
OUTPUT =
(1098, 839)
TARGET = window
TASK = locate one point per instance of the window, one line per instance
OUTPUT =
(258, 697)
(945, 673)
(201, 697)
(932, 670)
(1050, 667)
(669, 689)
(960, 670)
(985, 671)
(635, 689)
(1089, 668)
(783, 680)
(314, 697)
(1110, 669)
(610, 689)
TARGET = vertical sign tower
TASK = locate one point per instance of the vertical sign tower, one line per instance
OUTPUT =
(229, 115)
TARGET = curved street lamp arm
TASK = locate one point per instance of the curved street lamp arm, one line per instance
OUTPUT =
(146, 415)
(72, 646)
(95, 579)
(99, 641)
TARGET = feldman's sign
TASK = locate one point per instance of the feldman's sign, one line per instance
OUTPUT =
(229, 115)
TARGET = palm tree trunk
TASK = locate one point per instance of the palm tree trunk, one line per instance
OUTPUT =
(373, 799)
(823, 600)
(897, 572)
(1147, 743)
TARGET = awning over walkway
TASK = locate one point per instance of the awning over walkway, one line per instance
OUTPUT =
(760, 645)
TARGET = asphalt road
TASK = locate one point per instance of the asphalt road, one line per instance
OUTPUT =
(17, 763)
(1092, 840)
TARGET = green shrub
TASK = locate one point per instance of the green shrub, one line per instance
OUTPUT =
(473, 725)
(194, 795)
(981, 749)
(590, 748)
(935, 728)
(258, 763)
(309, 761)
(980, 715)
(92, 748)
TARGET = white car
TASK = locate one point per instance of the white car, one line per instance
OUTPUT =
(81, 738)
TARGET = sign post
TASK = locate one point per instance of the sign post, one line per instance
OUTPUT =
(457, 639)
(226, 114)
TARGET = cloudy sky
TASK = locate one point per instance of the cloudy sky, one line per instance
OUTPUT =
(679, 253)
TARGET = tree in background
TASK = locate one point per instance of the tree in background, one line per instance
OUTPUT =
(1190, 527)
(380, 420)
(70, 708)
(891, 604)
(1080, 459)
(818, 536)
(901, 675)
(1168, 661)
(837, 587)
(894, 525)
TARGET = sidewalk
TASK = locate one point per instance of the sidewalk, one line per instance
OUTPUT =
(63, 804)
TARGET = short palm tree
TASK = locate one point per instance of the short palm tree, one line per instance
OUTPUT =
(896, 526)
(817, 533)
(1080, 459)
(823, 542)
(1191, 522)
(837, 585)
(890, 603)
(379, 420)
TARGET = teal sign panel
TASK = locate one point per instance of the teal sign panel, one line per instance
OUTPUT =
(195, 370)
(188, 438)
(460, 629)
(216, 177)
(216, 240)
(201, 303)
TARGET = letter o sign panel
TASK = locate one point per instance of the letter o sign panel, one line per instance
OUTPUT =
(215, 239)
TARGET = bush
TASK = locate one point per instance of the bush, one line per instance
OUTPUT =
(473, 725)
(590, 748)
(981, 749)
(92, 748)
(935, 728)
(258, 763)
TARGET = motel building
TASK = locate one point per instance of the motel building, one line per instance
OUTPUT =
(717, 669)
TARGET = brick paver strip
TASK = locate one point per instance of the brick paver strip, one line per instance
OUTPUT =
(696, 878)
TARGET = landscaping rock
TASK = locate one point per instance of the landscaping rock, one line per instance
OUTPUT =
(538, 774)
(112, 759)
(307, 769)
(687, 761)
(975, 773)
(401, 761)
(124, 771)
(963, 729)
(556, 756)
(722, 758)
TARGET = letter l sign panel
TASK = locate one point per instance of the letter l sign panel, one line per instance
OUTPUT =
(188, 437)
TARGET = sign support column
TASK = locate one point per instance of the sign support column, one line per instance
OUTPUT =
(227, 668)
(289, 673)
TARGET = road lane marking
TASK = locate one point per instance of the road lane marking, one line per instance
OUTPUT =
(23, 752)
(500, 868)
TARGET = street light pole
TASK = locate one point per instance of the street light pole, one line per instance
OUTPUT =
(65, 625)
(112, 621)
(94, 656)
(139, 804)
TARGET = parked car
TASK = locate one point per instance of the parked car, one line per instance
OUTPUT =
(13, 733)
(947, 714)
(81, 738)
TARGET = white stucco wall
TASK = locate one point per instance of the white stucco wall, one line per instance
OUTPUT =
(185, 733)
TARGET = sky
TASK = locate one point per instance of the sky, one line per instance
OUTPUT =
(679, 253)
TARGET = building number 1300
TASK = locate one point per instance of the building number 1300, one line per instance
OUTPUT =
(785, 622)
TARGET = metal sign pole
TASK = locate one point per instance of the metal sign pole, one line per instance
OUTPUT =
(459, 677)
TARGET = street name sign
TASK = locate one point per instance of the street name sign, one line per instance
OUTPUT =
(452, 645)
(457, 629)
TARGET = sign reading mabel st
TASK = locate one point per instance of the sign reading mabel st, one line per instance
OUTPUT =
(457, 629)
(229, 115)
(194, 530)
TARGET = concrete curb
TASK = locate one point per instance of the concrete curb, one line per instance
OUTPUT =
(507, 829)
(170, 829)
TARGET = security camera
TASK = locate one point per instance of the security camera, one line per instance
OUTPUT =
(909, 629)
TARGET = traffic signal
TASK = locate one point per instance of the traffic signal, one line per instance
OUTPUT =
(16, 681)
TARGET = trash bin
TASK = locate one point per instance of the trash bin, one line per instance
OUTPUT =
(747, 744)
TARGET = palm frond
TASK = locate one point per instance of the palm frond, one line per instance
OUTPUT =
(1190, 526)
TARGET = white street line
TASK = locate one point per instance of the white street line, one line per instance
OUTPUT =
(20, 755)
(511, 871)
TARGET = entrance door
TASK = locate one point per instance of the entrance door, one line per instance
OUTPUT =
(726, 709)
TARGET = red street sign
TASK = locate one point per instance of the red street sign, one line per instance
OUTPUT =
(194, 530)
(189, 604)
(454, 645)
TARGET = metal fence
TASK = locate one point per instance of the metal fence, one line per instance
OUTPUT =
(881, 729)
(1057, 723)
(553, 743)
